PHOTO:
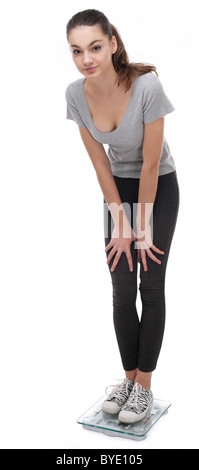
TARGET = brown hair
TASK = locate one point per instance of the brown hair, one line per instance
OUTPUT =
(126, 70)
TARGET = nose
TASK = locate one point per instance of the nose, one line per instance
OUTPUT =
(87, 59)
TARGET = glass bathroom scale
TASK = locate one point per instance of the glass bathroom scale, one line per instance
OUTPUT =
(95, 419)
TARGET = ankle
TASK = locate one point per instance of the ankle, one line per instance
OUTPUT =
(131, 374)
(144, 379)
(144, 384)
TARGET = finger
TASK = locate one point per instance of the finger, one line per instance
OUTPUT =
(111, 254)
(129, 259)
(153, 257)
(143, 257)
(110, 244)
(156, 249)
(138, 255)
(117, 257)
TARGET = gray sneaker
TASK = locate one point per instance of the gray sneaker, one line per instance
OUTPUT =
(118, 397)
(137, 405)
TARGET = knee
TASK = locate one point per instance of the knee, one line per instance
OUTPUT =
(124, 295)
(152, 291)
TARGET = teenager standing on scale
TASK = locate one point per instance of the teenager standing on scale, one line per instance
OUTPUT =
(123, 105)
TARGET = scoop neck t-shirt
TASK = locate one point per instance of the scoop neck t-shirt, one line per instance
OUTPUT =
(148, 102)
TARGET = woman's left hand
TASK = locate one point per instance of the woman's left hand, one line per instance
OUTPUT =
(145, 246)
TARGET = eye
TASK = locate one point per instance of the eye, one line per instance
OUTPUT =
(76, 51)
(96, 48)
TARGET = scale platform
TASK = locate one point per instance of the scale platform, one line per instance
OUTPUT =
(95, 419)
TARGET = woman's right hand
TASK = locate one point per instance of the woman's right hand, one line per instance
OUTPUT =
(120, 244)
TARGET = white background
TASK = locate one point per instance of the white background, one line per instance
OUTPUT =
(57, 342)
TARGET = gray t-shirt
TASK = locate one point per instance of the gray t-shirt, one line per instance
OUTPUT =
(148, 102)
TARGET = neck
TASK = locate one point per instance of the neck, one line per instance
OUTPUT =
(105, 84)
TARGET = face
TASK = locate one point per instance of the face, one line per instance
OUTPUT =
(91, 50)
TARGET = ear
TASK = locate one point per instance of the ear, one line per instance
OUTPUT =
(114, 44)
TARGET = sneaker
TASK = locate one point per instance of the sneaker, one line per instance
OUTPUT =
(137, 405)
(118, 397)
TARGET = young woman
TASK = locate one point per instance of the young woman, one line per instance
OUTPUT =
(123, 105)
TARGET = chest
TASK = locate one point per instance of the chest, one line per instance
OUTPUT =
(108, 113)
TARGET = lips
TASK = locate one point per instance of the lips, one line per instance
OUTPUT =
(90, 69)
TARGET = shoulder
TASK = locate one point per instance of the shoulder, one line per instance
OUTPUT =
(74, 89)
(150, 83)
(149, 80)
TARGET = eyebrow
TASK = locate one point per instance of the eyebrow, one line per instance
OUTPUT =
(96, 40)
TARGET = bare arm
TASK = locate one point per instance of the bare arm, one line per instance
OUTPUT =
(122, 235)
(152, 150)
(102, 167)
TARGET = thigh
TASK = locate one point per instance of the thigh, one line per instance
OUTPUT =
(165, 211)
(122, 272)
(128, 191)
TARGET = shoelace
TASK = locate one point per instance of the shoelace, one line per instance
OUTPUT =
(120, 392)
(138, 400)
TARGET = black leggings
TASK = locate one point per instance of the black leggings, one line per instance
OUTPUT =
(140, 341)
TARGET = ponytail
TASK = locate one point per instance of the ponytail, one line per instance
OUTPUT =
(127, 70)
